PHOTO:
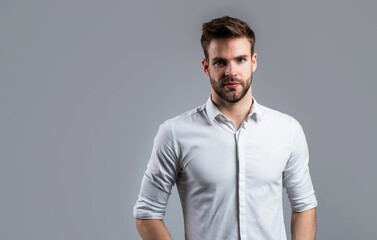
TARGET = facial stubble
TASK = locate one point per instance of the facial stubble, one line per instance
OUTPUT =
(219, 88)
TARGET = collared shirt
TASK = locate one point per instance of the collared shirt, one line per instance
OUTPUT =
(229, 181)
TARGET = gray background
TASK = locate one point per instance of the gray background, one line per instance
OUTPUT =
(84, 86)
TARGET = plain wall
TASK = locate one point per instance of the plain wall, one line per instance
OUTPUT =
(84, 86)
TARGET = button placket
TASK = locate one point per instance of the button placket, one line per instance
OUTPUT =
(241, 183)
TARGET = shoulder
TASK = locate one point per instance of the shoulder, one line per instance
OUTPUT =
(171, 129)
(286, 125)
(188, 117)
(277, 117)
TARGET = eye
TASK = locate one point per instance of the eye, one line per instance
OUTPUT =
(219, 63)
(241, 60)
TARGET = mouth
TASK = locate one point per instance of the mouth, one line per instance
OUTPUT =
(231, 84)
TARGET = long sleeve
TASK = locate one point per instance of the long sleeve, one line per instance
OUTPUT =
(159, 178)
(296, 176)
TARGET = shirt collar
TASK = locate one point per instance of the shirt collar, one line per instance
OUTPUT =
(213, 111)
(255, 112)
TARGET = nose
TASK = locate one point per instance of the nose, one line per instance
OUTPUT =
(230, 70)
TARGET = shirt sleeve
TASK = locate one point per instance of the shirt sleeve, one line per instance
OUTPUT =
(296, 176)
(159, 178)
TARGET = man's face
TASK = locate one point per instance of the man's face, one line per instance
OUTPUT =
(230, 66)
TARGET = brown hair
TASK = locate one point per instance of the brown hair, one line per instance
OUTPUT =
(225, 27)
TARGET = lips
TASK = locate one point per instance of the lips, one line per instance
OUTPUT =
(231, 84)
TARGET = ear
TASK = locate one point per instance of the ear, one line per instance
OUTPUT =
(205, 66)
(254, 61)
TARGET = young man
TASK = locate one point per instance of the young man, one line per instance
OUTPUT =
(229, 157)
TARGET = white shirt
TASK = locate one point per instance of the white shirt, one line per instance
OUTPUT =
(229, 182)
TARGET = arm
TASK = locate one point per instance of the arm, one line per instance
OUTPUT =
(297, 181)
(152, 229)
(158, 180)
(303, 225)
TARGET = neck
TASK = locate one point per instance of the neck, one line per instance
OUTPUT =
(237, 112)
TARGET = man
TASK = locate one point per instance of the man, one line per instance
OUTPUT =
(229, 157)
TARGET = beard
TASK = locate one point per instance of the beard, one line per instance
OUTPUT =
(231, 95)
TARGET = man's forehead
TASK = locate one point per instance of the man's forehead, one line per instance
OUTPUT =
(229, 47)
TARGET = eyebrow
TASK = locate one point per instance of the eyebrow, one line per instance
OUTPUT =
(215, 59)
(243, 56)
(223, 59)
